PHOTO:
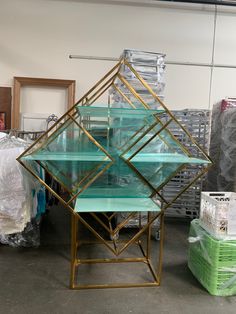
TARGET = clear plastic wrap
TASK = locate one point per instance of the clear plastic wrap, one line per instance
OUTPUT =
(21, 197)
(29, 237)
(15, 200)
(214, 151)
(222, 176)
(212, 261)
(227, 165)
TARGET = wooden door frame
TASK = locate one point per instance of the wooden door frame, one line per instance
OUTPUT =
(44, 82)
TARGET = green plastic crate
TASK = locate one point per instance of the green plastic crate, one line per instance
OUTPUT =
(213, 262)
(219, 253)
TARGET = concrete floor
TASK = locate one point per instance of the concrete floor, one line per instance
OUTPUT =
(36, 280)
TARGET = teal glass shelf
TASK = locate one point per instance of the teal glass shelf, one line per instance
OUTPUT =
(130, 113)
(67, 156)
(139, 158)
(88, 205)
(74, 157)
(165, 158)
(106, 117)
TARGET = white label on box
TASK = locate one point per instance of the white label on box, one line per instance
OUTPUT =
(232, 218)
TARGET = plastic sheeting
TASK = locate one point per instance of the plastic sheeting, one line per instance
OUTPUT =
(222, 176)
(15, 200)
(22, 199)
(212, 261)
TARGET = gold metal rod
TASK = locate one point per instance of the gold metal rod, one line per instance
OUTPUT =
(159, 270)
(111, 260)
(48, 187)
(112, 216)
(89, 242)
(124, 96)
(92, 139)
(53, 176)
(88, 175)
(181, 146)
(110, 286)
(73, 251)
(41, 136)
(121, 60)
(124, 222)
(90, 182)
(97, 84)
(152, 270)
(144, 180)
(142, 250)
(138, 234)
(100, 222)
(140, 137)
(97, 235)
(148, 237)
(99, 92)
(105, 215)
(132, 90)
(71, 110)
(136, 133)
(144, 83)
(172, 175)
(55, 134)
(150, 139)
(191, 183)
(167, 144)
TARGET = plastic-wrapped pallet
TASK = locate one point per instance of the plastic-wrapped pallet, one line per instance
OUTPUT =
(22, 199)
(222, 176)
(212, 261)
(214, 149)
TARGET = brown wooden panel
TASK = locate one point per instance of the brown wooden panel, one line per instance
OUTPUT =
(5, 104)
(31, 81)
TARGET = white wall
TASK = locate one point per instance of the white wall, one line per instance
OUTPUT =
(37, 36)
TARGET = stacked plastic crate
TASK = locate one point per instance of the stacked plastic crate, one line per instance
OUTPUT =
(151, 67)
(212, 250)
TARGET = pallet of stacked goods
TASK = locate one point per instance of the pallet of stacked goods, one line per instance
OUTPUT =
(212, 249)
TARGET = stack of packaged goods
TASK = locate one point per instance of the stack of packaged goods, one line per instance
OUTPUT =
(212, 249)
(151, 67)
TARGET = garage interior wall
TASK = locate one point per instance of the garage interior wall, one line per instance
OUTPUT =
(37, 37)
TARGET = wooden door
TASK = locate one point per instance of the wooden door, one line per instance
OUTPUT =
(5, 106)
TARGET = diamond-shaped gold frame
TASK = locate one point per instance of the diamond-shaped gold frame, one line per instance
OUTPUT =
(109, 81)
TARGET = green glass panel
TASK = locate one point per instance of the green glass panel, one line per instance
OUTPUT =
(73, 154)
(71, 157)
(115, 205)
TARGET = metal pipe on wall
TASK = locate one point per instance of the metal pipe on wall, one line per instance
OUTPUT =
(211, 2)
(199, 64)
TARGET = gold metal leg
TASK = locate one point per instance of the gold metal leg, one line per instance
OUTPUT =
(77, 262)
(74, 226)
(159, 271)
